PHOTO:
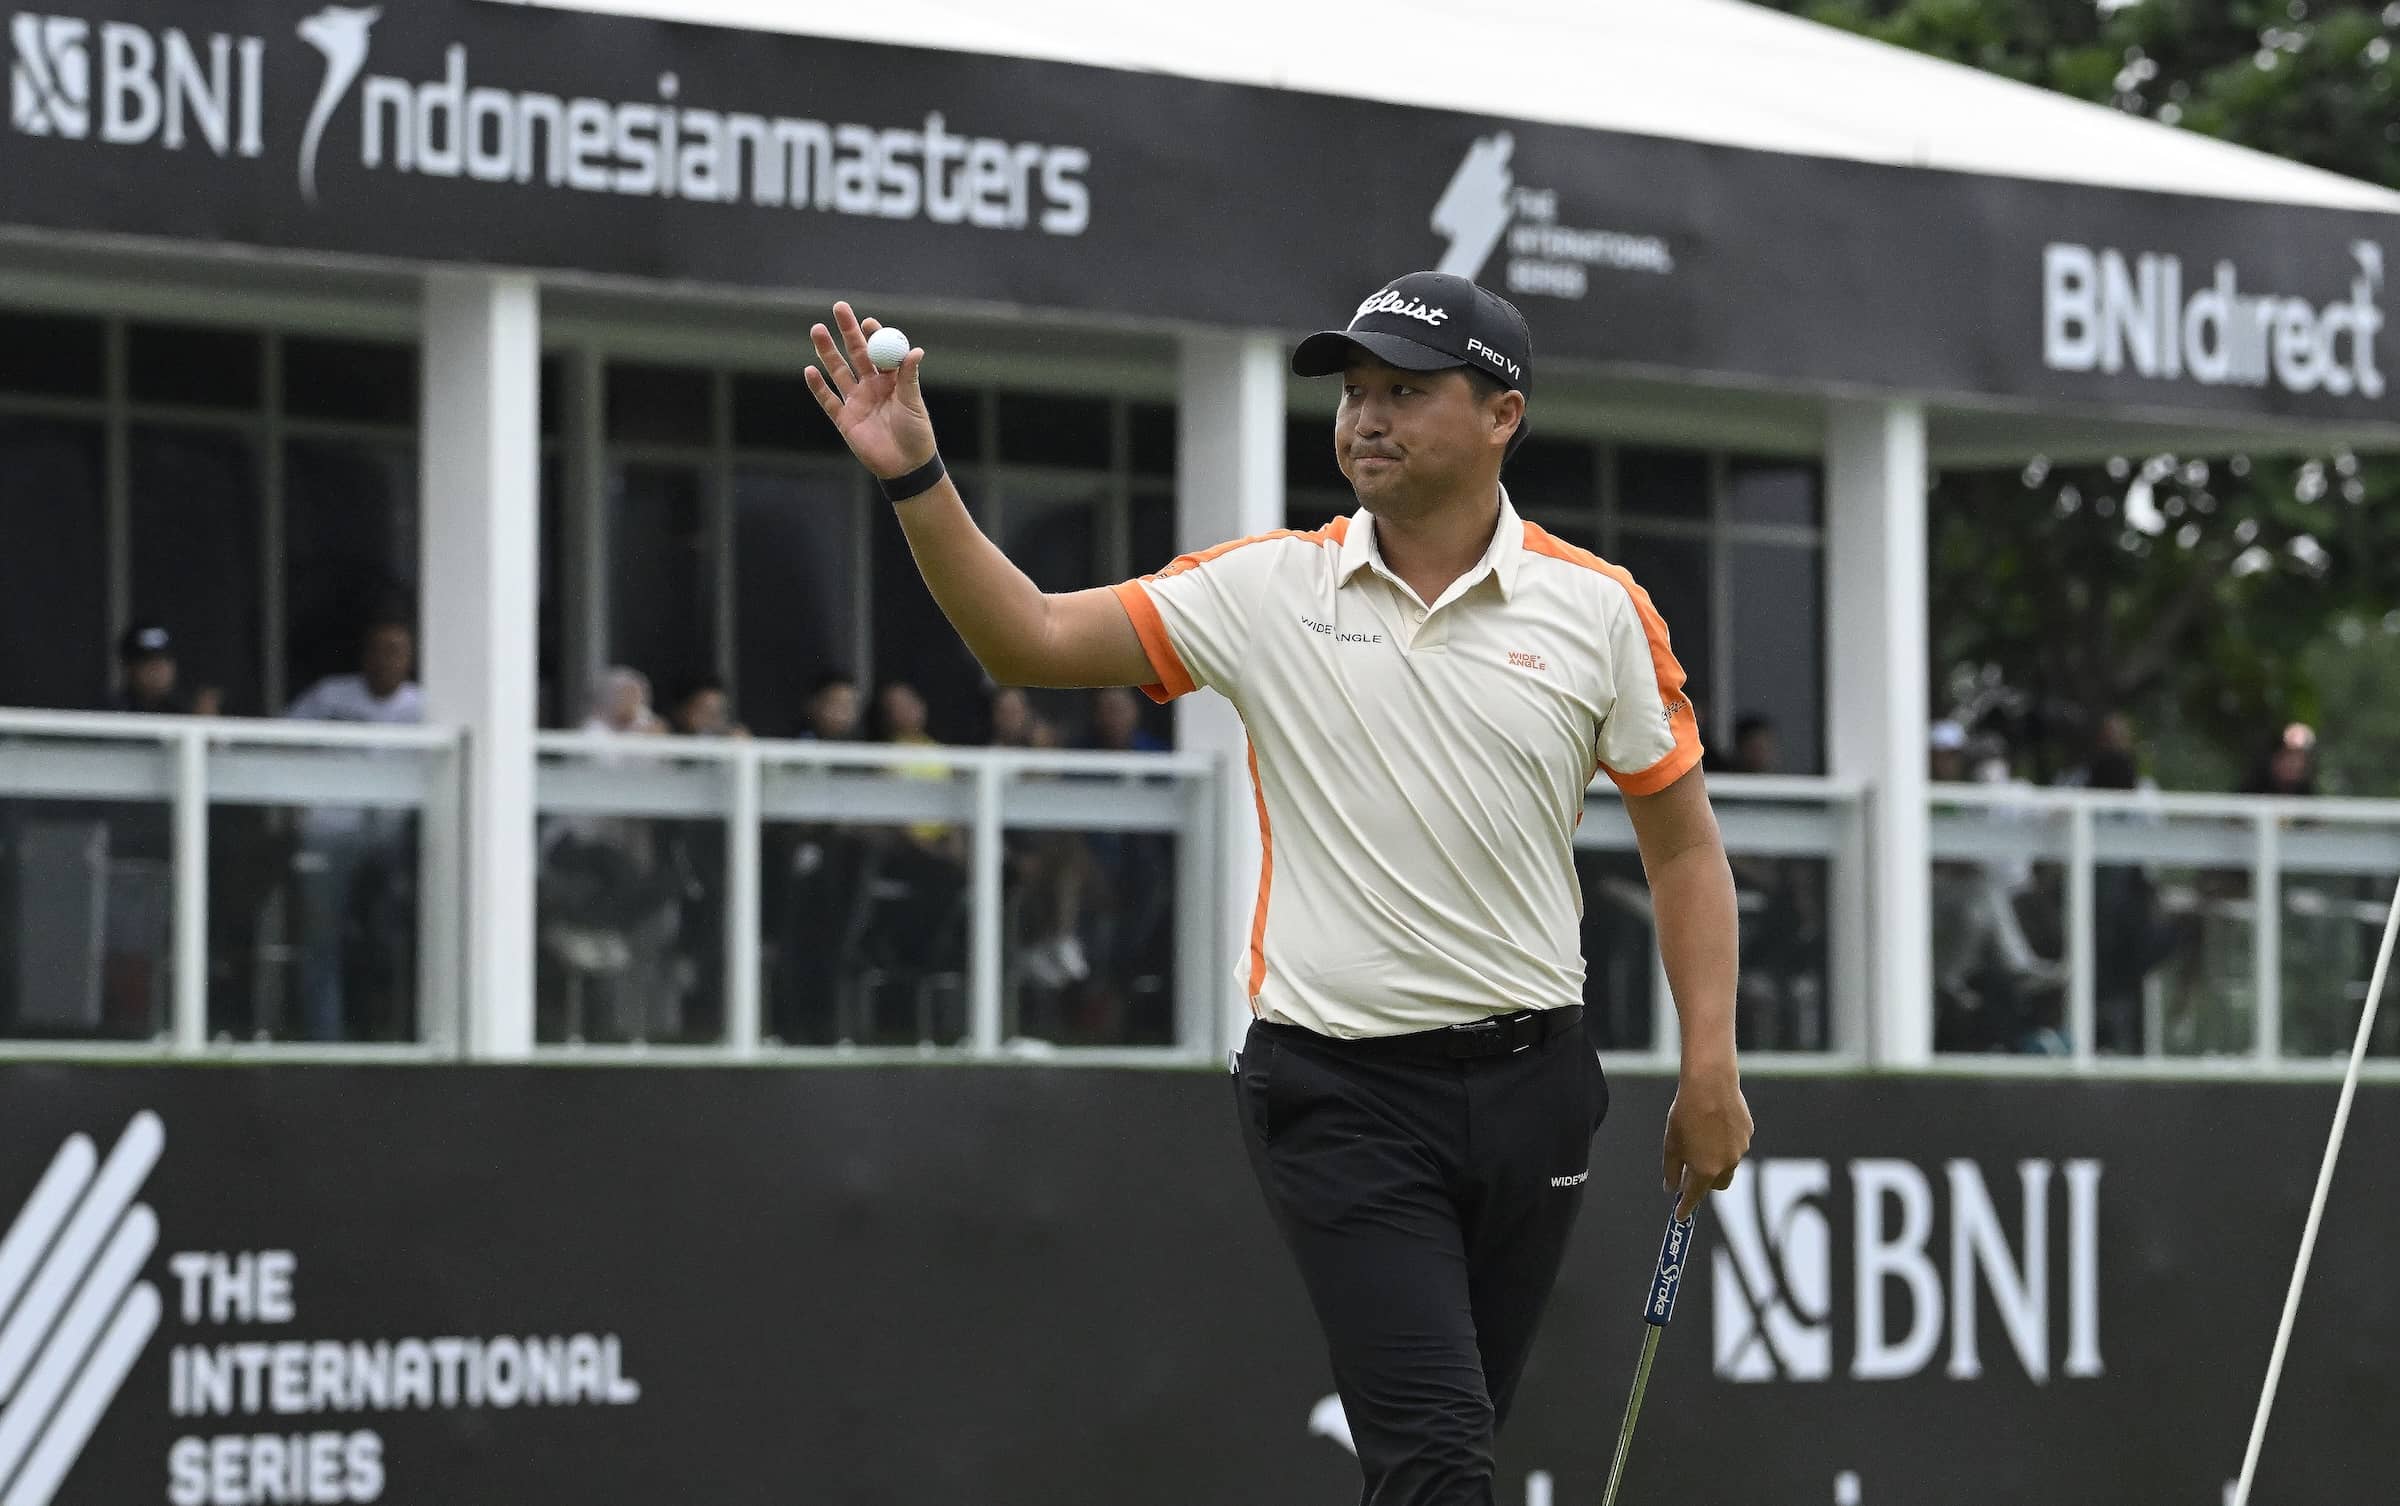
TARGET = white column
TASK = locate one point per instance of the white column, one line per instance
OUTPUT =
(1228, 485)
(1877, 666)
(479, 460)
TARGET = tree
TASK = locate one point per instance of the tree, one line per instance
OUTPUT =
(2212, 598)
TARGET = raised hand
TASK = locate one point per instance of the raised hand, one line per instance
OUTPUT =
(881, 414)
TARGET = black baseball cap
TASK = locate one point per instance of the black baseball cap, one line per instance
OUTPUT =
(1429, 321)
(144, 640)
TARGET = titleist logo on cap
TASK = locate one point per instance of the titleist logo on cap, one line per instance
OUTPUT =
(1389, 302)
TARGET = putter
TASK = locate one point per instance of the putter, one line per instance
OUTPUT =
(1673, 1255)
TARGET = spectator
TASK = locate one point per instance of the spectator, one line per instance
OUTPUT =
(2289, 766)
(1987, 974)
(703, 708)
(2129, 936)
(1781, 995)
(1947, 753)
(2112, 751)
(354, 860)
(140, 846)
(151, 683)
(1048, 870)
(622, 704)
(832, 708)
(616, 881)
(1131, 893)
(1754, 749)
(819, 869)
(1008, 718)
(1117, 724)
(917, 878)
(900, 717)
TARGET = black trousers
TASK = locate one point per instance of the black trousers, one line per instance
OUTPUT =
(1428, 1201)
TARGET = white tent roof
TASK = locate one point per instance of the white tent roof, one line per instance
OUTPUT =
(1718, 71)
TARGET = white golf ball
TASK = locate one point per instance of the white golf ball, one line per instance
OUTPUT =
(887, 348)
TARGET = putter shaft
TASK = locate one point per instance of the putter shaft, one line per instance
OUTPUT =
(1633, 1410)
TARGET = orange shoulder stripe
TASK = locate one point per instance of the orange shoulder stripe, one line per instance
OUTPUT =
(1183, 562)
(1662, 664)
(1174, 679)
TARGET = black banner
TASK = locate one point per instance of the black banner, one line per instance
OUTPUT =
(1001, 1286)
(456, 132)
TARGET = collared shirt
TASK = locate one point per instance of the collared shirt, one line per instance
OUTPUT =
(1419, 768)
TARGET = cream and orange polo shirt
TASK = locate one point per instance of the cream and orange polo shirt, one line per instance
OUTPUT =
(1419, 767)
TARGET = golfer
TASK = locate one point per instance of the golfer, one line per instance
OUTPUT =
(1429, 686)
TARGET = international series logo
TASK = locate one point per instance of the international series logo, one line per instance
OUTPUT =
(1484, 204)
(74, 1313)
(261, 1418)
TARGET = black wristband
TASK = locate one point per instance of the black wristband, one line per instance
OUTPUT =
(916, 483)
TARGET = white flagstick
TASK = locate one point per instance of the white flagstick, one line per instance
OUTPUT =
(2316, 1204)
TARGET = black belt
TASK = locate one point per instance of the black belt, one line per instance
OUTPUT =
(1496, 1036)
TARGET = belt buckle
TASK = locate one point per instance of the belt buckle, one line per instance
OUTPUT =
(1476, 1037)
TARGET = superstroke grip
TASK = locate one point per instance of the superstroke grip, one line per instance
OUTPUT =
(1673, 1255)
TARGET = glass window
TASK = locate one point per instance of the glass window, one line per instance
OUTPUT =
(53, 355)
(1763, 492)
(1778, 651)
(957, 424)
(53, 564)
(1053, 534)
(195, 367)
(915, 643)
(350, 379)
(1043, 428)
(1152, 530)
(662, 601)
(1308, 457)
(669, 405)
(86, 917)
(550, 652)
(796, 583)
(350, 532)
(554, 397)
(1675, 571)
(1152, 438)
(195, 566)
(1663, 484)
(1552, 474)
(777, 413)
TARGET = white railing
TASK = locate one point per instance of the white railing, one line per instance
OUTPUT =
(2219, 982)
(75, 783)
(2139, 939)
(884, 807)
(1797, 846)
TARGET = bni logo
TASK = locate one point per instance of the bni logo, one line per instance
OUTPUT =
(50, 80)
(129, 86)
(74, 1315)
(1774, 1273)
(1775, 1278)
